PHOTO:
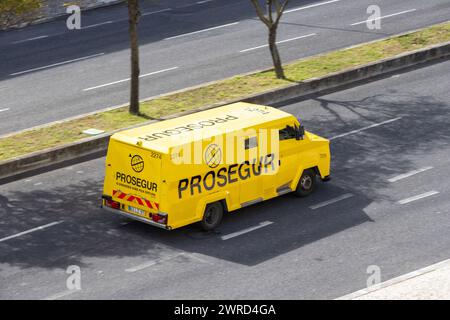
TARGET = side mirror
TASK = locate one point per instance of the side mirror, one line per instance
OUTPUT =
(299, 132)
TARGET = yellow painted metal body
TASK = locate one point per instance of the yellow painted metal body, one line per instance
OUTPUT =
(145, 168)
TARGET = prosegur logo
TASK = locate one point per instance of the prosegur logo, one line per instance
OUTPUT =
(213, 155)
(137, 163)
(188, 128)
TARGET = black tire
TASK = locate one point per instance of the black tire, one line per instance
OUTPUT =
(212, 216)
(306, 184)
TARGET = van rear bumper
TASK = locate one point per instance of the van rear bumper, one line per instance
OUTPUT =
(132, 216)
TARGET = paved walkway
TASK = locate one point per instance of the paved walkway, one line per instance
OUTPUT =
(430, 283)
(54, 8)
(57, 7)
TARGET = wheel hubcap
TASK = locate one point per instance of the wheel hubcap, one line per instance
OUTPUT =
(211, 216)
(306, 182)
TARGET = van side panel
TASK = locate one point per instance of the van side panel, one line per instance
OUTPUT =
(190, 187)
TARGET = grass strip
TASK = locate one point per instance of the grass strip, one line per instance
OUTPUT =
(223, 90)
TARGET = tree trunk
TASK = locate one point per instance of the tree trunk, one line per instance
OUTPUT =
(275, 54)
(133, 12)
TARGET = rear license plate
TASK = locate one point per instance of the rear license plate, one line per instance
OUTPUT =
(136, 211)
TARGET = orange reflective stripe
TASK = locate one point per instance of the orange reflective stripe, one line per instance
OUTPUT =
(131, 198)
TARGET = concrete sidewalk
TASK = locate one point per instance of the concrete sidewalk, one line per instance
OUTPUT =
(429, 283)
(52, 9)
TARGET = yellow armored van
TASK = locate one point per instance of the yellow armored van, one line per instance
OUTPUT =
(197, 167)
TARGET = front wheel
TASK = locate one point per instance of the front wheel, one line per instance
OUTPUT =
(212, 216)
(306, 184)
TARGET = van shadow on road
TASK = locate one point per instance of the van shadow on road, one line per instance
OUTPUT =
(361, 165)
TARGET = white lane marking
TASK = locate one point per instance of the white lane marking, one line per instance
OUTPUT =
(331, 201)
(152, 263)
(153, 12)
(128, 79)
(62, 294)
(31, 230)
(58, 64)
(365, 128)
(204, 1)
(96, 25)
(278, 42)
(38, 183)
(409, 174)
(244, 231)
(310, 6)
(195, 257)
(31, 39)
(418, 197)
(382, 17)
(204, 30)
(395, 281)
(3, 110)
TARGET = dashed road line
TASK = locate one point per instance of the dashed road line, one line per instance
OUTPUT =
(57, 64)
(418, 197)
(409, 174)
(310, 6)
(204, 30)
(97, 25)
(62, 294)
(364, 128)
(128, 79)
(279, 42)
(247, 230)
(3, 110)
(331, 201)
(30, 231)
(152, 263)
(154, 12)
(31, 39)
(387, 16)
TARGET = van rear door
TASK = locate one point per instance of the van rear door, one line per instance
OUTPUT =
(133, 178)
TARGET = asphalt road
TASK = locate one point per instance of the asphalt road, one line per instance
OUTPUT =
(49, 73)
(390, 141)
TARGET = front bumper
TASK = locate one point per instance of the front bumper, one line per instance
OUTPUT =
(134, 217)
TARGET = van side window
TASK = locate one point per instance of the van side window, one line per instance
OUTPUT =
(251, 143)
(287, 133)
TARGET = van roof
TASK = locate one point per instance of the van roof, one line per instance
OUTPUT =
(161, 136)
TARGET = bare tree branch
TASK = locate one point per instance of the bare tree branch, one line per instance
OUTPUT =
(280, 10)
(260, 13)
(269, 10)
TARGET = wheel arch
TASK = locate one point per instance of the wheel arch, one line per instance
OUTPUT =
(221, 197)
(300, 172)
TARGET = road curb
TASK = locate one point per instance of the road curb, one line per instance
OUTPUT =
(99, 144)
(59, 16)
(395, 281)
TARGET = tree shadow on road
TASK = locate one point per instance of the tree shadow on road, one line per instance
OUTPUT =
(361, 165)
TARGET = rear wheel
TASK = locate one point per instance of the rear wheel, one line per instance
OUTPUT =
(306, 184)
(212, 216)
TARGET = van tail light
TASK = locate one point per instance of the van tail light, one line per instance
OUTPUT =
(160, 218)
(112, 204)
